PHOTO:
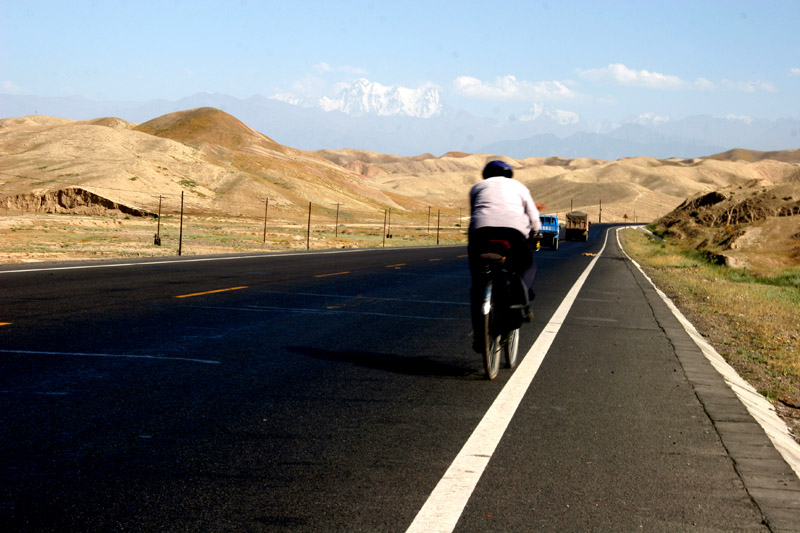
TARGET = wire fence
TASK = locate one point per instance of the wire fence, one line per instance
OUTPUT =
(173, 226)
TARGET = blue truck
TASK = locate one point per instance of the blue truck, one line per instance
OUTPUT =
(550, 231)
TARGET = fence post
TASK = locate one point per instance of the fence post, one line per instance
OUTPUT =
(157, 240)
(308, 233)
(266, 210)
(429, 220)
(438, 224)
(384, 228)
(180, 235)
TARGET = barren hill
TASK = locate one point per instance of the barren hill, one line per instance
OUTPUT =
(221, 165)
(740, 154)
(641, 187)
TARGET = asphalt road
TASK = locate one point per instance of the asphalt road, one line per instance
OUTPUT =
(331, 391)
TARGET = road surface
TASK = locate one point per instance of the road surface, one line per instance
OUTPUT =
(333, 391)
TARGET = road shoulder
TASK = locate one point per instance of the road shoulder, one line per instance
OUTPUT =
(767, 476)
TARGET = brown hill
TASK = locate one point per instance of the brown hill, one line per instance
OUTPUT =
(643, 188)
(740, 154)
(210, 126)
(221, 165)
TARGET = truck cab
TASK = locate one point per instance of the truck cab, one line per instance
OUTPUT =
(550, 230)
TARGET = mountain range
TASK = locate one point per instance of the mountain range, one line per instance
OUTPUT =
(404, 121)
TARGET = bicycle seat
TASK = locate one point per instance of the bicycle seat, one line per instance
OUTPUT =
(496, 251)
(492, 257)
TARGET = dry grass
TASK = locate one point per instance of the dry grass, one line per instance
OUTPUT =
(753, 321)
(58, 237)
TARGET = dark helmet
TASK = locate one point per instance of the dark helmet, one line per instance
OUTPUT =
(497, 168)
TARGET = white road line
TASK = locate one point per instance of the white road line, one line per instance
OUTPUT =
(758, 406)
(444, 506)
(123, 356)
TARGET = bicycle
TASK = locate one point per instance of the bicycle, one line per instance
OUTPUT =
(503, 309)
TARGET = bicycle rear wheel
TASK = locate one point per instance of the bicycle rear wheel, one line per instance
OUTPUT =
(491, 340)
(511, 348)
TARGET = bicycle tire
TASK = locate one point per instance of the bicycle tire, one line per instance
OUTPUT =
(511, 348)
(491, 340)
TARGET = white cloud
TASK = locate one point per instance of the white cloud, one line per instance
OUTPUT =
(702, 84)
(322, 67)
(509, 88)
(794, 71)
(617, 73)
(748, 86)
(355, 71)
(9, 87)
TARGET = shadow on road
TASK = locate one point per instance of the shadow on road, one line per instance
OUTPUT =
(419, 365)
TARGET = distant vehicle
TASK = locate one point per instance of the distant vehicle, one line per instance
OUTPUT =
(550, 231)
(577, 227)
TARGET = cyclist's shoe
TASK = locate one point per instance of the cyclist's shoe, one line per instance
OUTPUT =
(527, 315)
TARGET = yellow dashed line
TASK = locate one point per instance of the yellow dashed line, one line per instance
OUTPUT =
(397, 265)
(461, 256)
(5, 323)
(210, 292)
(332, 274)
(436, 259)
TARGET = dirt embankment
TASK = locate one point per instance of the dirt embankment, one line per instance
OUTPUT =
(750, 226)
(69, 200)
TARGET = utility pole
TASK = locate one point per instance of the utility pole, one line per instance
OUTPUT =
(337, 220)
(157, 240)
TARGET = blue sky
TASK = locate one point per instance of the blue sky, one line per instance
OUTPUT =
(608, 60)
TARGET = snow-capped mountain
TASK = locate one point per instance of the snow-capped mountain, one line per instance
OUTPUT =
(364, 97)
(560, 116)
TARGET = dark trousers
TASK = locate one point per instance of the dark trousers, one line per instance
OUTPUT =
(520, 258)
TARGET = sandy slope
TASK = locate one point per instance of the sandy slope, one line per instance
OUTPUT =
(219, 163)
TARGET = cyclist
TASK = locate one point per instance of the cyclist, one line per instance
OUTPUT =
(501, 209)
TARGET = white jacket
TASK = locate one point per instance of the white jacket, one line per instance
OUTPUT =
(503, 202)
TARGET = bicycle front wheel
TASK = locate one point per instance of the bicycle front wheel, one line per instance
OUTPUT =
(491, 340)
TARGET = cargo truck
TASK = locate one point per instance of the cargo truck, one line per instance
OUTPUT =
(577, 227)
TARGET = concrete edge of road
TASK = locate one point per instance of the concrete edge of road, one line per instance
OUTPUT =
(763, 451)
